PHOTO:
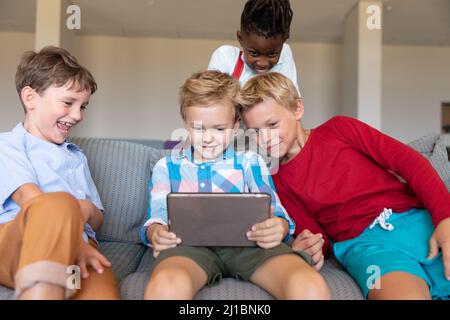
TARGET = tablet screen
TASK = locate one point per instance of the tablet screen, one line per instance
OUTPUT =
(216, 219)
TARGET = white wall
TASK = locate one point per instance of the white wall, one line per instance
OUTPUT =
(139, 79)
(416, 80)
(361, 65)
(12, 45)
(319, 77)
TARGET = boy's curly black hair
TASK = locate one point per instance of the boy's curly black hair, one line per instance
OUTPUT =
(267, 18)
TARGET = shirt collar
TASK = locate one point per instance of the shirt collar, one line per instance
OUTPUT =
(188, 153)
(19, 128)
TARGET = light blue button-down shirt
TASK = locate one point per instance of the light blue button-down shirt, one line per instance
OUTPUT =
(25, 158)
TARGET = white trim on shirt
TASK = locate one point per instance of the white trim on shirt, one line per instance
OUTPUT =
(224, 59)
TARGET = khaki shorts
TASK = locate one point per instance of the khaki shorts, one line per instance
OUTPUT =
(218, 262)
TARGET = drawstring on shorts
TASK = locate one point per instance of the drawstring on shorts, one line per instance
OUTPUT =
(381, 220)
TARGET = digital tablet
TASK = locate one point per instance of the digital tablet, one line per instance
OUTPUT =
(216, 219)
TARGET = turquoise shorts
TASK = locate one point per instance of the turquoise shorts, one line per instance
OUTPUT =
(378, 251)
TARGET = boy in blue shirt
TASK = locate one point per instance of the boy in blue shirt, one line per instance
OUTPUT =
(208, 163)
(47, 194)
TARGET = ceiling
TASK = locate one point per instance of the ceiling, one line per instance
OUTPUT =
(415, 22)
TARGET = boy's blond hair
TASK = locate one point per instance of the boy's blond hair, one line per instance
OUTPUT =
(205, 88)
(52, 66)
(269, 85)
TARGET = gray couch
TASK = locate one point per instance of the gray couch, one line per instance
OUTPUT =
(122, 170)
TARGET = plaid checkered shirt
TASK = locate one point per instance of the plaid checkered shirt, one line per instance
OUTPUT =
(233, 172)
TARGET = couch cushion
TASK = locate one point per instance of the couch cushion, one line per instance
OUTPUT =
(124, 257)
(6, 293)
(146, 261)
(342, 286)
(433, 148)
(121, 171)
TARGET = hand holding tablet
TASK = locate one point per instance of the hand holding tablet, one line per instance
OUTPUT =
(216, 219)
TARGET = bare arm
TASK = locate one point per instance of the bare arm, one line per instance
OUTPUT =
(91, 214)
(25, 193)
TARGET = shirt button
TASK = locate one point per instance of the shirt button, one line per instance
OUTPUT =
(202, 184)
(202, 167)
(70, 171)
(79, 191)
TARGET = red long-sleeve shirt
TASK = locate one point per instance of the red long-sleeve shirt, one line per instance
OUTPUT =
(342, 180)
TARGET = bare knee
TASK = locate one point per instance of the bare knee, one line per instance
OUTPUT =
(378, 294)
(170, 284)
(308, 285)
(400, 286)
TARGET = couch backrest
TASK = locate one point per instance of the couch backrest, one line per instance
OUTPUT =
(121, 171)
(433, 148)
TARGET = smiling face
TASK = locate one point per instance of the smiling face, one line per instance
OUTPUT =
(52, 114)
(210, 129)
(261, 53)
(276, 126)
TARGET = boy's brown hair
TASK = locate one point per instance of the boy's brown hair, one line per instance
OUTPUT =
(52, 66)
(269, 85)
(208, 87)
